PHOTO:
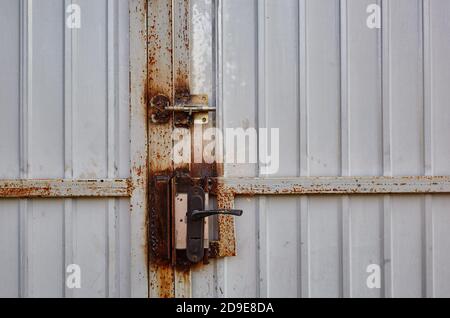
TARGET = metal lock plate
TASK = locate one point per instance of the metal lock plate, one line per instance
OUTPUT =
(181, 209)
(191, 214)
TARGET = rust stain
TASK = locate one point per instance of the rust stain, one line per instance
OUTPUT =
(12, 191)
(139, 168)
(182, 47)
(166, 280)
(340, 185)
(227, 238)
(54, 188)
(168, 84)
(160, 74)
(160, 221)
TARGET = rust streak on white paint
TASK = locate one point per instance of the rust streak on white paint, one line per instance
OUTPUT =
(64, 188)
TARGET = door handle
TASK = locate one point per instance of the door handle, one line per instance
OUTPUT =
(197, 215)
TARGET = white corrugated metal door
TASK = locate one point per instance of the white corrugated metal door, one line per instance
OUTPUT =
(362, 117)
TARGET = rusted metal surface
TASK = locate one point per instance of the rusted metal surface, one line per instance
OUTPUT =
(199, 168)
(226, 245)
(160, 226)
(181, 56)
(158, 112)
(183, 118)
(184, 110)
(335, 185)
(169, 86)
(160, 83)
(139, 148)
(64, 188)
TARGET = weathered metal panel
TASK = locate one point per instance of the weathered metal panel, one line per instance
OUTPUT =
(334, 185)
(202, 81)
(64, 115)
(437, 73)
(64, 188)
(350, 101)
(160, 87)
(139, 272)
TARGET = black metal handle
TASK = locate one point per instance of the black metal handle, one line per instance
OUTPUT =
(195, 249)
(197, 215)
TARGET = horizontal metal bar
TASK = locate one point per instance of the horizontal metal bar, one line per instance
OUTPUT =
(335, 185)
(191, 108)
(64, 188)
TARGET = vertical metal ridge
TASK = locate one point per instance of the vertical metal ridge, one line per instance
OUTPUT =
(138, 39)
(71, 214)
(305, 248)
(214, 62)
(221, 270)
(26, 46)
(220, 117)
(346, 255)
(68, 98)
(388, 291)
(304, 109)
(304, 265)
(387, 152)
(428, 236)
(26, 52)
(220, 266)
(68, 146)
(111, 282)
(345, 108)
(160, 17)
(299, 154)
(345, 239)
(112, 87)
(181, 61)
(181, 47)
(383, 202)
(386, 90)
(262, 120)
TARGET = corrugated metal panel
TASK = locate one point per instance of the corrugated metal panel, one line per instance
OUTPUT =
(349, 101)
(64, 114)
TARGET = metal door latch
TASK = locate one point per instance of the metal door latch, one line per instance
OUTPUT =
(187, 111)
(195, 223)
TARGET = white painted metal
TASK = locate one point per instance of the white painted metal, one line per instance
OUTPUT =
(349, 101)
(64, 114)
